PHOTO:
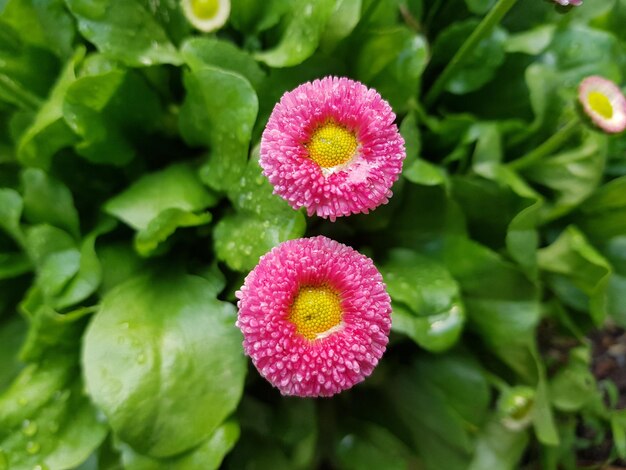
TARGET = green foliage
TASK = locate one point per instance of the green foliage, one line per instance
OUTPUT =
(503, 245)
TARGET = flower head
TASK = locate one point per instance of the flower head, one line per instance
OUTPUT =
(315, 316)
(604, 103)
(206, 15)
(331, 146)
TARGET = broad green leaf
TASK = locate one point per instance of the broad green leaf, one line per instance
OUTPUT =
(207, 456)
(436, 399)
(252, 16)
(89, 274)
(26, 72)
(45, 420)
(56, 258)
(370, 447)
(533, 41)
(571, 175)
(120, 262)
(165, 224)
(262, 221)
(343, 20)
(603, 215)
(107, 111)
(12, 333)
(50, 332)
(176, 187)
(579, 51)
(219, 112)
(392, 62)
(577, 273)
(573, 385)
(481, 64)
(430, 311)
(479, 7)
(124, 30)
(163, 361)
(241, 238)
(13, 265)
(44, 23)
(304, 26)
(199, 52)
(49, 133)
(11, 207)
(498, 447)
(48, 201)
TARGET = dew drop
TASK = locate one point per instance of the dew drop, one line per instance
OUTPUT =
(32, 447)
(29, 428)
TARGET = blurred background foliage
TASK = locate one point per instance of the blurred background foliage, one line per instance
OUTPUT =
(132, 206)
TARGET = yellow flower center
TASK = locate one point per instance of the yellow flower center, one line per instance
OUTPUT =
(332, 145)
(205, 9)
(316, 310)
(601, 104)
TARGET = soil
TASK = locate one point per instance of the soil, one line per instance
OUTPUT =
(609, 363)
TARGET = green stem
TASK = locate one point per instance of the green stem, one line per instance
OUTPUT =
(550, 146)
(482, 30)
(19, 96)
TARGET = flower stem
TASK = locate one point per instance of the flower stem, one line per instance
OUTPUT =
(482, 30)
(551, 145)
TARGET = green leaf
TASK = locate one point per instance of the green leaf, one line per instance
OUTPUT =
(435, 315)
(13, 265)
(176, 187)
(164, 362)
(370, 447)
(252, 16)
(343, 20)
(303, 29)
(439, 399)
(603, 215)
(165, 224)
(26, 72)
(119, 264)
(107, 110)
(219, 111)
(199, 52)
(208, 455)
(46, 420)
(48, 201)
(242, 238)
(480, 65)
(11, 207)
(498, 447)
(49, 133)
(533, 41)
(571, 176)
(573, 385)
(12, 333)
(577, 273)
(392, 62)
(44, 23)
(262, 221)
(124, 30)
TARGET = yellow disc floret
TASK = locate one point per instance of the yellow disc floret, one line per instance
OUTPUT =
(205, 9)
(601, 104)
(332, 145)
(315, 311)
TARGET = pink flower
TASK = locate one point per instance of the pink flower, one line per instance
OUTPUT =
(604, 103)
(331, 146)
(315, 317)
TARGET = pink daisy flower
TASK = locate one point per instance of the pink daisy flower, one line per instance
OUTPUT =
(331, 146)
(604, 103)
(315, 317)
